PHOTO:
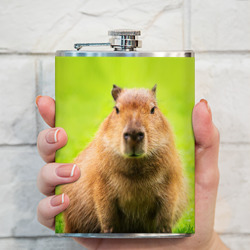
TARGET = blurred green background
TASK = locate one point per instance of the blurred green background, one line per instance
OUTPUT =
(83, 100)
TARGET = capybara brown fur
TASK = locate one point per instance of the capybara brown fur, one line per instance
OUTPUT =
(131, 174)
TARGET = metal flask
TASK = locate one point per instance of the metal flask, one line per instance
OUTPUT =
(127, 115)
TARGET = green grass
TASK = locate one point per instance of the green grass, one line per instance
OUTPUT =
(187, 222)
(60, 223)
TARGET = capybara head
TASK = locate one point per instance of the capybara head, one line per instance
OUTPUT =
(136, 127)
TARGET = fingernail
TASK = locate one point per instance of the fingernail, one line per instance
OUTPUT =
(52, 136)
(66, 170)
(208, 107)
(57, 200)
(37, 99)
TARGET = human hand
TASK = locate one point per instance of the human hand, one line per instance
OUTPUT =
(52, 174)
(206, 184)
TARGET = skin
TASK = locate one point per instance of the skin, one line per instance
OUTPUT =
(206, 184)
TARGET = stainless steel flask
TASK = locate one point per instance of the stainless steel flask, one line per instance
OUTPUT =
(127, 114)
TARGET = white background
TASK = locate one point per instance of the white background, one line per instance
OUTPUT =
(32, 30)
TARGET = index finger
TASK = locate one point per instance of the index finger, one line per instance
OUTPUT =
(46, 107)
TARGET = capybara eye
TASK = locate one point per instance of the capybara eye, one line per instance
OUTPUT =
(152, 110)
(117, 110)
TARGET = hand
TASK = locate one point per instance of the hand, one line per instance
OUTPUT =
(52, 174)
(206, 184)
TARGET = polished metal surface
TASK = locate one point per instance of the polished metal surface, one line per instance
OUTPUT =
(125, 40)
(121, 32)
(121, 40)
(125, 236)
(125, 43)
(74, 53)
(80, 45)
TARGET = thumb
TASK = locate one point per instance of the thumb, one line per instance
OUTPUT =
(206, 167)
(206, 146)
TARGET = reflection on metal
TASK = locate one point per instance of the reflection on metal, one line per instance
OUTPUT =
(125, 235)
(80, 53)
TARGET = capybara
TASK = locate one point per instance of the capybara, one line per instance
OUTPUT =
(131, 174)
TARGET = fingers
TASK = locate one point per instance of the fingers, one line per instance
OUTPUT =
(49, 140)
(49, 177)
(49, 207)
(53, 174)
(46, 107)
(206, 145)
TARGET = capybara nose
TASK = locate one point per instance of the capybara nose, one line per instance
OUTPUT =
(134, 136)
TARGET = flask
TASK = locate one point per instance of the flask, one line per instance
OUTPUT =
(127, 114)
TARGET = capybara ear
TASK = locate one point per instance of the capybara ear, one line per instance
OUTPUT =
(116, 91)
(154, 89)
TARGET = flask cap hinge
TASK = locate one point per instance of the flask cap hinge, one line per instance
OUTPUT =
(120, 40)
